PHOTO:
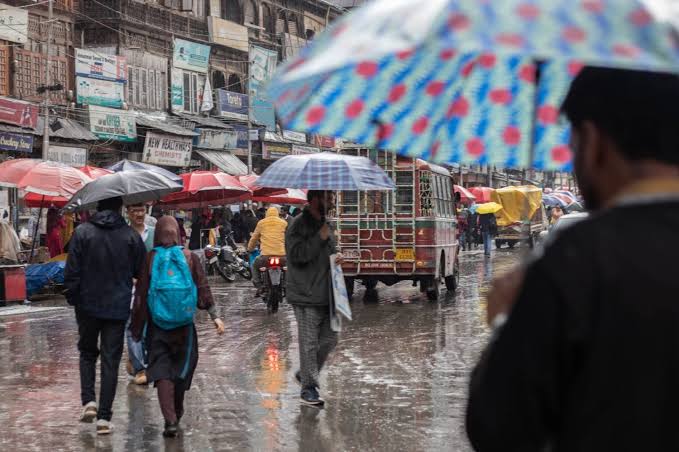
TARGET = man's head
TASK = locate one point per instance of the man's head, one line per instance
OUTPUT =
(136, 214)
(321, 201)
(624, 128)
(114, 204)
(556, 213)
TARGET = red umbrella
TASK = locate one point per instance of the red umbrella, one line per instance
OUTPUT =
(250, 181)
(202, 188)
(95, 172)
(466, 197)
(11, 171)
(482, 194)
(292, 196)
(34, 200)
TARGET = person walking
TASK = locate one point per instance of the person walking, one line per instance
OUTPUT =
(105, 255)
(249, 224)
(488, 228)
(172, 342)
(463, 227)
(585, 348)
(55, 223)
(270, 234)
(309, 242)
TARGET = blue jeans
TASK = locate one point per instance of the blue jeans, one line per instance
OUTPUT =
(462, 244)
(487, 241)
(135, 350)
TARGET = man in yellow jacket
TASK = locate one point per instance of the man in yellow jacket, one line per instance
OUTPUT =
(270, 233)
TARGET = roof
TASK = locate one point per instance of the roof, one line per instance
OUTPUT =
(15, 129)
(205, 121)
(225, 161)
(70, 130)
(164, 126)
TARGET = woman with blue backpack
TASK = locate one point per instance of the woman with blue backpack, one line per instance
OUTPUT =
(171, 287)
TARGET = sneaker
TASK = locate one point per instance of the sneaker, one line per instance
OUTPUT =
(89, 412)
(104, 427)
(129, 368)
(310, 397)
(171, 429)
(298, 377)
(140, 378)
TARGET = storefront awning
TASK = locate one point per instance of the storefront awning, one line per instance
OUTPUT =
(225, 161)
(164, 126)
(68, 129)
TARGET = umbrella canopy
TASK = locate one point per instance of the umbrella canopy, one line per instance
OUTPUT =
(130, 165)
(95, 172)
(293, 196)
(250, 181)
(208, 188)
(551, 200)
(44, 178)
(466, 197)
(133, 186)
(326, 171)
(482, 194)
(35, 200)
(428, 86)
(488, 207)
(575, 207)
(11, 171)
(566, 193)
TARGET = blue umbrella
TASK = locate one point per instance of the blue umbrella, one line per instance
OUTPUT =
(550, 200)
(325, 171)
(130, 165)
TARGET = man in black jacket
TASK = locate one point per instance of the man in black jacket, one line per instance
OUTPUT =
(585, 353)
(104, 258)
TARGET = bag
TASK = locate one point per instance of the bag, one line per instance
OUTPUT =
(173, 296)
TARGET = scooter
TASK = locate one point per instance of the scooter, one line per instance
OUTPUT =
(215, 260)
(273, 279)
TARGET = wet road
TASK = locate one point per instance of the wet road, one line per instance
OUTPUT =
(397, 380)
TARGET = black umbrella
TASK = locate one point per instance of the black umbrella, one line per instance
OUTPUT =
(130, 165)
(133, 186)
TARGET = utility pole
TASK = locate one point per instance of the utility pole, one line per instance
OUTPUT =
(250, 103)
(48, 83)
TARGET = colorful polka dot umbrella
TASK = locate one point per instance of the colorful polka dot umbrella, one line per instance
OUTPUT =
(469, 81)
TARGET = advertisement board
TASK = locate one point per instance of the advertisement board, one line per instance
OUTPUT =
(190, 56)
(18, 112)
(16, 142)
(104, 93)
(103, 67)
(167, 150)
(68, 155)
(291, 135)
(274, 151)
(301, 150)
(13, 24)
(262, 66)
(111, 124)
(232, 105)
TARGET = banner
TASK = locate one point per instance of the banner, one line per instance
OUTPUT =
(16, 142)
(190, 56)
(262, 66)
(207, 103)
(218, 139)
(13, 24)
(102, 67)
(177, 90)
(232, 105)
(68, 155)
(273, 151)
(291, 135)
(167, 150)
(92, 91)
(302, 150)
(111, 124)
(18, 112)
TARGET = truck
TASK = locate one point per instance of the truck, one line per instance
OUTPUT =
(523, 216)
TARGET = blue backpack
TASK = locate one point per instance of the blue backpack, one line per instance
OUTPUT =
(173, 296)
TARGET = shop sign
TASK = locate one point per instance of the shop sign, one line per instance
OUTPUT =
(262, 66)
(167, 150)
(242, 136)
(301, 150)
(16, 142)
(104, 93)
(213, 138)
(190, 56)
(111, 124)
(294, 136)
(13, 24)
(17, 112)
(232, 105)
(323, 141)
(103, 67)
(273, 151)
(68, 155)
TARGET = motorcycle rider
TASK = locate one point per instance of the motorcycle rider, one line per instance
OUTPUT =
(270, 233)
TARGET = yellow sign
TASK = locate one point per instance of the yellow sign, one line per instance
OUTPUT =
(405, 254)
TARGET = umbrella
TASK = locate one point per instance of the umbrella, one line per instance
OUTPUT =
(551, 200)
(48, 179)
(11, 171)
(482, 194)
(566, 193)
(466, 197)
(133, 186)
(326, 171)
(131, 165)
(575, 207)
(428, 86)
(291, 196)
(250, 181)
(94, 172)
(35, 200)
(208, 188)
(488, 207)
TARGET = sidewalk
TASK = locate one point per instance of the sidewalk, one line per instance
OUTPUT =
(57, 303)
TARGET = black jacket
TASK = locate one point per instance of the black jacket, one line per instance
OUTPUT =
(487, 223)
(589, 357)
(104, 256)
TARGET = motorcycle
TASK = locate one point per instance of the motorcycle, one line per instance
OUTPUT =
(238, 261)
(273, 279)
(227, 262)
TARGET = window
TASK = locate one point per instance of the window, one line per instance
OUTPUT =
(251, 13)
(267, 22)
(218, 80)
(146, 88)
(231, 11)
(426, 195)
(193, 87)
(234, 84)
(404, 192)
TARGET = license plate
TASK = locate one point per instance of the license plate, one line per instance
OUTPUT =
(405, 254)
(275, 276)
(213, 260)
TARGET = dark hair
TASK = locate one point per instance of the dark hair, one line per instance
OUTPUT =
(110, 204)
(311, 194)
(638, 110)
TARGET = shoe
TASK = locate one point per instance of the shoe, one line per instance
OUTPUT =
(310, 397)
(89, 412)
(171, 429)
(104, 427)
(129, 368)
(298, 377)
(140, 378)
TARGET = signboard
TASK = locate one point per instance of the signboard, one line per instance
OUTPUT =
(111, 124)
(323, 141)
(294, 136)
(215, 139)
(18, 112)
(232, 105)
(339, 289)
(16, 142)
(13, 24)
(67, 155)
(227, 33)
(92, 91)
(301, 150)
(273, 151)
(177, 90)
(262, 66)
(167, 150)
(190, 56)
(102, 67)
(241, 136)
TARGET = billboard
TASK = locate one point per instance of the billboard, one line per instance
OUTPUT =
(18, 112)
(232, 105)
(103, 67)
(190, 56)
(167, 150)
(104, 93)
(111, 124)
(262, 66)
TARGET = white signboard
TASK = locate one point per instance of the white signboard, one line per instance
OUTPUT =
(339, 289)
(71, 156)
(291, 135)
(104, 67)
(167, 150)
(227, 33)
(92, 91)
(13, 24)
(112, 124)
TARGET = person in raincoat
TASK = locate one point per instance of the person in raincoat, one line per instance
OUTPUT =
(168, 351)
(270, 234)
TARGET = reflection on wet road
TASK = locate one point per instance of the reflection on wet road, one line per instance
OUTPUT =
(397, 380)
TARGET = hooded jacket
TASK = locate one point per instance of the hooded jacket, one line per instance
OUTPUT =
(104, 257)
(270, 232)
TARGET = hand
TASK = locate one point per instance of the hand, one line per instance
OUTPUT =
(339, 259)
(324, 232)
(503, 293)
(220, 326)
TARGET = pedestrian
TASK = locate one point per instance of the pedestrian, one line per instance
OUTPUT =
(172, 341)
(136, 214)
(309, 242)
(585, 348)
(463, 227)
(488, 227)
(237, 227)
(105, 256)
(556, 213)
(182, 230)
(249, 224)
(198, 224)
(55, 223)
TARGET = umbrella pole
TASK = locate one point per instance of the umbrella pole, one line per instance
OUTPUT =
(37, 228)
